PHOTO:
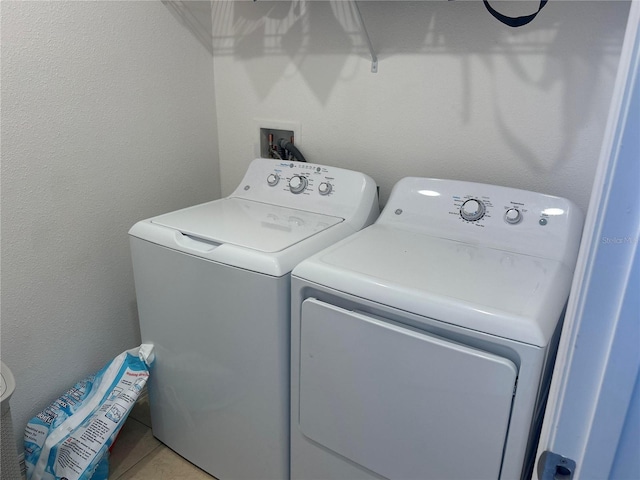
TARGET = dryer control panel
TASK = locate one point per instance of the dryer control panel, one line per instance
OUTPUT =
(500, 217)
(474, 208)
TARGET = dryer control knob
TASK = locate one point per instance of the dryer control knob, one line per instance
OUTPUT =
(513, 216)
(298, 184)
(273, 180)
(472, 210)
(325, 188)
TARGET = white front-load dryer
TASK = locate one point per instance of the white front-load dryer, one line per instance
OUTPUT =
(213, 292)
(422, 345)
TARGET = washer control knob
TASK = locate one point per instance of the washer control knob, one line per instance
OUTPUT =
(325, 188)
(472, 210)
(513, 216)
(273, 179)
(298, 184)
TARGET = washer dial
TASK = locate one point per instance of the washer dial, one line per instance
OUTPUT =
(472, 210)
(513, 216)
(273, 179)
(325, 188)
(298, 184)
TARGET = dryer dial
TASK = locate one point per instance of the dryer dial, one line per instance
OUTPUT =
(513, 216)
(298, 184)
(472, 210)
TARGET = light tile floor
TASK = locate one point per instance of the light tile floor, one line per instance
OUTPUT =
(138, 455)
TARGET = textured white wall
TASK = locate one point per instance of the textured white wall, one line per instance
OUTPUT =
(107, 118)
(458, 94)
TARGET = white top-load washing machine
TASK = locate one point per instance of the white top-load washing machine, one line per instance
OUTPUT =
(423, 344)
(213, 291)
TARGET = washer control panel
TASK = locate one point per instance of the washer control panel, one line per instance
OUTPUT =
(308, 186)
(501, 217)
(303, 177)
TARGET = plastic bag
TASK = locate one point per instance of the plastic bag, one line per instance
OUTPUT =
(69, 438)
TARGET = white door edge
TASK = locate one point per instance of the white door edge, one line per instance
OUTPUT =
(562, 434)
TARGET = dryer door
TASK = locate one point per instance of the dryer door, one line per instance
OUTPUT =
(399, 402)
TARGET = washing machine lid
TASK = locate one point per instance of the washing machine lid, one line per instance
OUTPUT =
(246, 223)
(514, 296)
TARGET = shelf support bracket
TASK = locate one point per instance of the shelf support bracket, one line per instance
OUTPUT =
(374, 57)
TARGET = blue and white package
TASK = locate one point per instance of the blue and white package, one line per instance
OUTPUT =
(69, 438)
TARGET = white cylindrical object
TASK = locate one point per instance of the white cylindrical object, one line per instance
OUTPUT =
(9, 468)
